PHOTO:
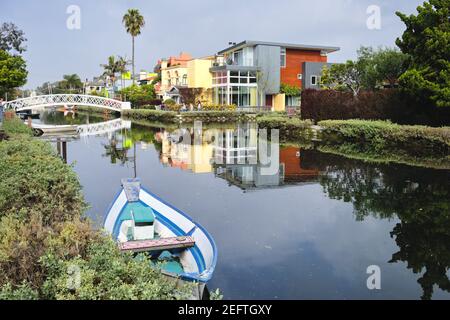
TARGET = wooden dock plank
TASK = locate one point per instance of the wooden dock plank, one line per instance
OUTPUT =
(157, 244)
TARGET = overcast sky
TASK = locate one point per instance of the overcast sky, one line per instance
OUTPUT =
(200, 27)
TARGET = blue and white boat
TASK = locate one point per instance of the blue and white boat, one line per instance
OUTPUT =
(141, 222)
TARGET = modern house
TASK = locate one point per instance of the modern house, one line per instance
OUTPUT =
(251, 73)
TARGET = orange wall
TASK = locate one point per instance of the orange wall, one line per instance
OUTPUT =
(294, 61)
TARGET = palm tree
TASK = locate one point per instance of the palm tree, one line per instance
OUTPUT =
(111, 69)
(71, 82)
(122, 66)
(133, 22)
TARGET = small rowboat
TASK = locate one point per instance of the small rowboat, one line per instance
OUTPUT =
(142, 222)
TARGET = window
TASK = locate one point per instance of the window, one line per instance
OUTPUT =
(283, 57)
(237, 58)
(184, 82)
(314, 80)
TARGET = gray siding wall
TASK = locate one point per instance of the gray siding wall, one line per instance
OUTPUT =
(267, 58)
(312, 69)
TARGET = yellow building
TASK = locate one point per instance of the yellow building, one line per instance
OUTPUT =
(199, 77)
(185, 72)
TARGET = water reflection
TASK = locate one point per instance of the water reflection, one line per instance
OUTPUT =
(232, 154)
(419, 197)
(61, 116)
(314, 239)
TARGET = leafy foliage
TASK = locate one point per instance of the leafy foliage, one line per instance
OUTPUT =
(290, 90)
(14, 126)
(71, 83)
(13, 72)
(381, 67)
(426, 41)
(11, 38)
(139, 95)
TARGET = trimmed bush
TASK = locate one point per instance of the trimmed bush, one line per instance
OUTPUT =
(151, 115)
(291, 129)
(188, 116)
(384, 136)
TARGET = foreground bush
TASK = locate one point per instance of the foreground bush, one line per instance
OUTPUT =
(48, 249)
(35, 180)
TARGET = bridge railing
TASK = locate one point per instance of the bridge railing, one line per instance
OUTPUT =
(65, 99)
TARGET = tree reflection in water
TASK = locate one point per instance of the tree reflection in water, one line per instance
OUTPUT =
(419, 197)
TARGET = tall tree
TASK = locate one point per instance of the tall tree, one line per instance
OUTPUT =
(426, 40)
(11, 38)
(133, 22)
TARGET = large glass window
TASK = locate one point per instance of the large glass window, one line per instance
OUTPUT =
(235, 87)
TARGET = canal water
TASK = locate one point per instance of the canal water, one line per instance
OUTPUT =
(315, 228)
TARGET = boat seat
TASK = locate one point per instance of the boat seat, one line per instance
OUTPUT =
(141, 213)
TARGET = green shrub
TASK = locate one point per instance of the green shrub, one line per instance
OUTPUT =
(381, 136)
(169, 102)
(291, 129)
(15, 126)
(151, 115)
(35, 179)
(218, 107)
(138, 95)
(106, 273)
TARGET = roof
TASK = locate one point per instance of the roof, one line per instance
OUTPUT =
(251, 43)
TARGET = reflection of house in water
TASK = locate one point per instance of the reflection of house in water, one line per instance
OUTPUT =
(180, 151)
(247, 176)
(232, 154)
(290, 159)
(187, 150)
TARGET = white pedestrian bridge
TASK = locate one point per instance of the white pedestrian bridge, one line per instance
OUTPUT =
(69, 100)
